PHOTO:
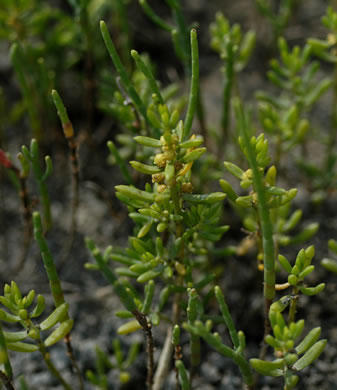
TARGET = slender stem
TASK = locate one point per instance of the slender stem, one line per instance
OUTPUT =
(182, 33)
(228, 91)
(6, 381)
(154, 17)
(148, 73)
(52, 368)
(45, 204)
(71, 356)
(147, 328)
(27, 215)
(293, 306)
(48, 261)
(55, 285)
(69, 134)
(227, 317)
(194, 88)
(122, 72)
(264, 216)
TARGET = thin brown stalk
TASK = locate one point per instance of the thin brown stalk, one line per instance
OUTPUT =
(71, 356)
(28, 226)
(147, 328)
(6, 381)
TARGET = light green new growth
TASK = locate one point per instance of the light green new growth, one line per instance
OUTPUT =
(121, 71)
(33, 157)
(194, 88)
(266, 226)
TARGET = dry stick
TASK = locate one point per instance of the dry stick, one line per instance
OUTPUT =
(147, 328)
(55, 285)
(69, 134)
(6, 381)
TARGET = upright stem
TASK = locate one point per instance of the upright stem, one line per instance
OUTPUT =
(27, 215)
(147, 328)
(52, 368)
(55, 285)
(228, 91)
(264, 216)
(293, 305)
(6, 381)
(194, 88)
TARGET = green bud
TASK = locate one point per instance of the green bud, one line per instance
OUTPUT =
(191, 143)
(176, 335)
(333, 245)
(193, 155)
(148, 275)
(306, 271)
(56, 316)
(59, 333)
(34, 334)
(169, 174)
(39, 308)
(147, 141)
(174, 119)
(290, 359)
(244, 201)
(29, 299)
(204, 199)
(22, 347)
(270, 340)
(263, 367)
(129, 327)
(135, 193)
(161, 227)
(312, 290)
(149, 293)
(330, 265)
(228, 190)
(234, 169)
(12, 337)
(311, 355)
(308, 341)
(285, 264)
(124, 377)
(292, 280)
(23, 314)
(143, 168)
(140, 267)
(144, 230)
(7, 317)
(293, 221)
